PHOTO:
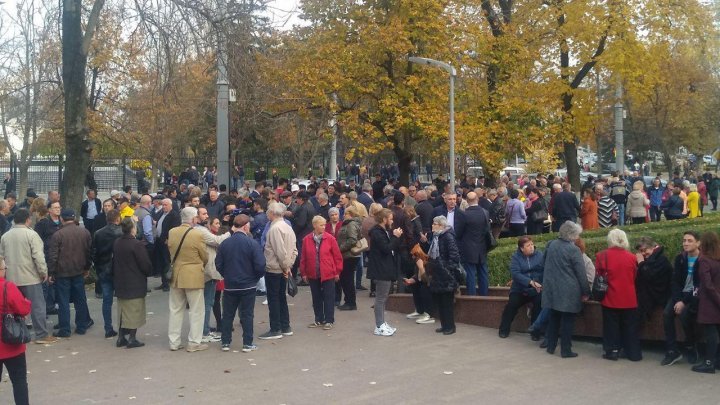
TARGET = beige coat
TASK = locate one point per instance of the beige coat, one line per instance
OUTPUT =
(280, 247)
(211, 244)
(189, 268)
(636, 203)
(24, 257)
(360, 208)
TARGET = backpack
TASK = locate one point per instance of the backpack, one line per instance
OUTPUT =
(618, 189)
(497, 213)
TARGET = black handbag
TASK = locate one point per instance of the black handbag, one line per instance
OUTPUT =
(491, 241)
(600, 285)
(292, 288)
(14, 330)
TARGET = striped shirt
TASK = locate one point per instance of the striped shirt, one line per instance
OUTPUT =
(606, 206)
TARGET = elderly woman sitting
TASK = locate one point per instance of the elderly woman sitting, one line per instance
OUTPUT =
(565, 287)
(443, 270)
(526, 267)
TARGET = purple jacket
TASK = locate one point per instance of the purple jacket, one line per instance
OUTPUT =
(515, 211)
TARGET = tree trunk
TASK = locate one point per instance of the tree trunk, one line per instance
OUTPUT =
(77, 133)
(404, 158)
(22, 180)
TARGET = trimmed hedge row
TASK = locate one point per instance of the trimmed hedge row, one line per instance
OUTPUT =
(666, 233)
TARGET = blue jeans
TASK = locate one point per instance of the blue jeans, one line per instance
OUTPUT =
(276, 286)
(621, 214)
(470, 278)
(359, 271)
(108, 288)
(231, 301)
(542, 320)
(477, 278)
(323, 300)
(209, 302)
(72, 289)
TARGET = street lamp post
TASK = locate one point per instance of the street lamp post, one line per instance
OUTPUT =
(451, 70)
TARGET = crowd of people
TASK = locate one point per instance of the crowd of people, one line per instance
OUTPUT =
(215, 251)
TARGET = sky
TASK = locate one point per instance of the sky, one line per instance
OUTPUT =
(284, 13)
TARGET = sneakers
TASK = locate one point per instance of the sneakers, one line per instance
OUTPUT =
(173, 349)
(425, 318)
(249, 348)
(271, 334)
(226, 347)
(328, 326)
(414, 315)
(264, 302)
(287, 332)
(46, 340)
(347, 307)
(196, 348)
(706, 366)
(110, 334)
(315, 325)
(210, 339)
(671, 358)
(385, 330)
(692, 355)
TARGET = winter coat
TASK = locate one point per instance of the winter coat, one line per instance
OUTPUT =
(709, 291)
(636, 203)
(441, 270)
(673, 207)
(589, 214)
(382, 256)
(620, 268)
(653, 282)
(656, 196)
(24, 258)
(70, 250)
(331, 261)
(693, 204)
(131, 267)
(103, 246)
(524, 269)
(189, 268)
(241, 262)
(17, 304)
(565, 281)
(349, 235)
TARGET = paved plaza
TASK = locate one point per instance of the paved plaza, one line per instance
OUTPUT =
(348, 365)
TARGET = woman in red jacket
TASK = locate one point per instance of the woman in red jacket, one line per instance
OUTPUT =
(13, 356)
(320, 266)
(619, 307)
(708, 294)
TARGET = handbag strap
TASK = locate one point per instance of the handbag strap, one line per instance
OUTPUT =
(180, 245)
(5, 311)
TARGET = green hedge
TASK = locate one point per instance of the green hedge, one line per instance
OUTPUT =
(666, 233)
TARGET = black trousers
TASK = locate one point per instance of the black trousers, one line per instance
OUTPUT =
(444, 302)
(347, 280)
(217, 312)
(422, 298)
(244, 302)
(323, 299)
(561, 325)
(621, 331)
(17, 369)
(687, 320)
(711, 339)
(516, 301)
(517, 229)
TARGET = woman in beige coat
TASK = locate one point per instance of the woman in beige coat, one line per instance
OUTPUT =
(637, 203)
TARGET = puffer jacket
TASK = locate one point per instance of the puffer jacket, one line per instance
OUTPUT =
(442, 275)
(70, 250)
(524, 269)
(103, 244)
(636, 203)
(349, 235)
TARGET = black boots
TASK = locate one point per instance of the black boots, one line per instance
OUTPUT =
(132, 341)
(707, 366)
(122, 341)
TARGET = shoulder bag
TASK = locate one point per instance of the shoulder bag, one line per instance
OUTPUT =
(14, 330)
(360, 247)
(170, 272)
(600, 285)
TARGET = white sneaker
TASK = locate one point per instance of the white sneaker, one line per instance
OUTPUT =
(414, 315)
(386, 330)
(264, 302)
(424, 320)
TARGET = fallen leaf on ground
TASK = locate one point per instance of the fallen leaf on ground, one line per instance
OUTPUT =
(372, 383)
(305, 369)
(93, 371)
(253, 364)
(328, 384)
(132, 397)
(148, 378)
(53, 371)
(447, 372)
(61, 357)
(227, 371)
(74, 353)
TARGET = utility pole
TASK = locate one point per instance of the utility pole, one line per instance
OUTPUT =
(619, 115)
(332, 175)
(223, 139)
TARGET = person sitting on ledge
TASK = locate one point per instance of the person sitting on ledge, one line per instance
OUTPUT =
(526, 268)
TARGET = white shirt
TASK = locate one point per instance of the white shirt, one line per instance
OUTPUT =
(158, 227)
(92, 209)
(451, 218)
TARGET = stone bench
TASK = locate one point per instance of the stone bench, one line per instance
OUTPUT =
(487, 311)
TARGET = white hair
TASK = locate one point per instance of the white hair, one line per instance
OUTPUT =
(277, 209)
(188, 214)
(618, 238)
(442, 221)
(569, 231)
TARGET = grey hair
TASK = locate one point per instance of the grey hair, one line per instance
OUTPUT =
(277, 209)
(441, 220)
(366, 187)
(323, 197)
(618, 238)
(570, 231)
(187, 214)
(501, 192)
(333, 210)
(388, 189)
(3, 204)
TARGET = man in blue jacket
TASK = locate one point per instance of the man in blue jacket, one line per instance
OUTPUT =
(241, 262)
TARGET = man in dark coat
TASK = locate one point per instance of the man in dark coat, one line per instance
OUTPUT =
(89, 209)
(449, 210)
(377, 188)
(103, 242)
(565, 207)
(424, 209)
(365, 198)
(473, 246)
(168, 220)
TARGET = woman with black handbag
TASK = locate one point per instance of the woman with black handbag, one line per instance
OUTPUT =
(12, 356)
(444, 269)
